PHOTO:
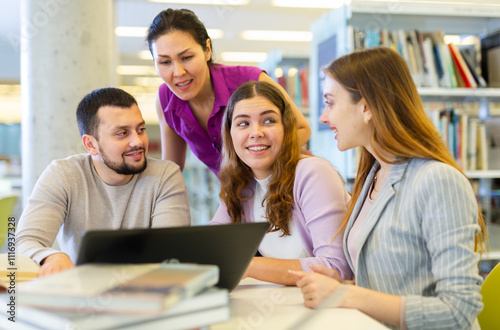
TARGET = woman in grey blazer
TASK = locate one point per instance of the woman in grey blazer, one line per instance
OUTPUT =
(413, 228)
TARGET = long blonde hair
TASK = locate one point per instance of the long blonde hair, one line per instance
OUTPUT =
(400, 125)
(235, 176)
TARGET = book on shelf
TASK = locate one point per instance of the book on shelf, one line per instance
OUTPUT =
(489, 42)
(478, 146)
(404, 50)
(208, 307)
(464, 138)
(493, 132)
(296, 85)
(414, 68)
(468, 138)
(304, 83)
(385, 40)
(350, 39)
(291, 87)
(395, 41)
(472, 67)
(415, 37)
(298, 89)
(357, 38)
(432, 62)
(439, 58)
(482, 148)
(441, 70)
(463, 69)
(493, 57)
(129, 289)
(472, 148)
(449, 65)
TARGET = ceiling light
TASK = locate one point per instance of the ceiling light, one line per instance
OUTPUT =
(278, 72)
(136, 70)
(303, 36)
(206, 2)
(215, 33)
(244, 57)
(147, 81)
(493, 3)
(292, 72)
(310, 3)
(145, 55)
(130, 31)
(136, 31)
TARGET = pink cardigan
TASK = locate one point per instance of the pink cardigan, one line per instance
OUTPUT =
(320, 200)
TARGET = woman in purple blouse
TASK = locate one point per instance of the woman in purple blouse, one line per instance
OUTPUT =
(191, 103)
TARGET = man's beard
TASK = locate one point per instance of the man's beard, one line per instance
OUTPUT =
(124, 168)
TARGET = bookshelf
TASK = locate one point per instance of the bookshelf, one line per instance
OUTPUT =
(332, 36)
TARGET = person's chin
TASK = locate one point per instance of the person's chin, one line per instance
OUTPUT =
(138, 165)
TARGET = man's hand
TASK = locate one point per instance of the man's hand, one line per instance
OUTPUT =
(55, 263)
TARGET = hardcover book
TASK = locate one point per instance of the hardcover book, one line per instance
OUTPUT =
(208, 307)
(129, 289)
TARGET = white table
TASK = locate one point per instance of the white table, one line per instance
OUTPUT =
(260, 305)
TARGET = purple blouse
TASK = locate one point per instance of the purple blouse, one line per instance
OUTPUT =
(178, 115)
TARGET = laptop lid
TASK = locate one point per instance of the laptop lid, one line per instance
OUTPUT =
(231, 247)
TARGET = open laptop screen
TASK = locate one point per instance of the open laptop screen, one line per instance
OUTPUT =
(231, 247)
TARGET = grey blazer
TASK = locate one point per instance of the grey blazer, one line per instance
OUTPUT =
(418, 242)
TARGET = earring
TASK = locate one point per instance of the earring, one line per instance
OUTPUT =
(365, 121)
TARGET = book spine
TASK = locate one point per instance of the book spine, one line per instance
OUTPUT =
(462, 67)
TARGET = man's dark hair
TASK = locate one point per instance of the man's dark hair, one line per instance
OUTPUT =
(86, 113)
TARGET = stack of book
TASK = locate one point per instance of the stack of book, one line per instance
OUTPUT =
(102, 296)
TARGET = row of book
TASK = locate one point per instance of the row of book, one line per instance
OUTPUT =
(466, 135)
(103, 296)
(297, 87)
(470, 140)
(431, 61)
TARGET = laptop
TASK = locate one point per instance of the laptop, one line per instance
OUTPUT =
(231, 247)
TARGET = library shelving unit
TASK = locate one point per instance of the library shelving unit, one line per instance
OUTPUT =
(331, 40)
(484, 97)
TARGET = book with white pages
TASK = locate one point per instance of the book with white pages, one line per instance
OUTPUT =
(208, 307)
(118, 288)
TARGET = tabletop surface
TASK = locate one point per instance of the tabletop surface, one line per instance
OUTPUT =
(261, 305)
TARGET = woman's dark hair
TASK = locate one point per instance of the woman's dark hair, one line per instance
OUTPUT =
(179, 20)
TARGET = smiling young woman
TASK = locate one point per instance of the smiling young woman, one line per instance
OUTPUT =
(413, 229)
(265, 178)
